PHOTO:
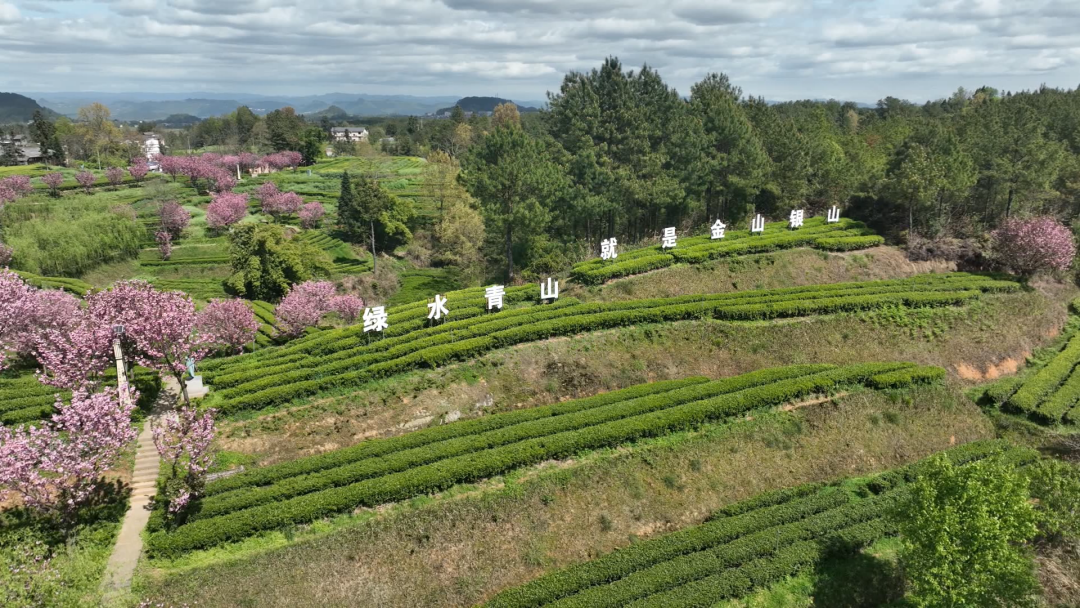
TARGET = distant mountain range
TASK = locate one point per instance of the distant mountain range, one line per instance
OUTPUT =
(482, 104)
(19, 108)
(156, 106)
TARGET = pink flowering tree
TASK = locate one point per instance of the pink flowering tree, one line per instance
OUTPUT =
(183, 439)
(16, 306)
(171, 165)
(284, 203)
(229, 324)
(196, 168)
(53, 181)
(138, 168)
(7, 194)
(224, 181)
(75, 354)
(17, 186)
(174, 218)
(311, 214)
(347, 306)
(266, 192)
(303, 306)
(247, 160)
(115, 175)
(226, 209)
(1029, 245)
(159, 326)
(164, 242)
(86, 179)
(57, 467)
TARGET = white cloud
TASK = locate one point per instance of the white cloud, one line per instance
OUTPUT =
(9, 13)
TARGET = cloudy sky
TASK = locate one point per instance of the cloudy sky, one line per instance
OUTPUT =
(782, 49)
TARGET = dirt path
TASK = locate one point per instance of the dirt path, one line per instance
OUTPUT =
(125, 555)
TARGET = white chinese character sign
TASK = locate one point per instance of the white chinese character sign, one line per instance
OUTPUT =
(757, 224)
(375, 319)
(796, 219)
(833, 215)
(668, 238)
(607, 249)
(437, 309)
(718, 230)
(494, 295)
(550, 291)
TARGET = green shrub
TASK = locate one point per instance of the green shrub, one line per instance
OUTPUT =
(849, 243)
(1028, 397)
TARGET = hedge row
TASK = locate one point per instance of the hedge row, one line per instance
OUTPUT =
(1045, 382)
(258, 382)
(380, 447)
(757, 544)
(215, 261)
(74, 286)
(476, 442)
(470, 467)
(848, 234)
(849, 243)
(906, 377)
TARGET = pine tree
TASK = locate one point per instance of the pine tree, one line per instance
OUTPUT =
(349, 221)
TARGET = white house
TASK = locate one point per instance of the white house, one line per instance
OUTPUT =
(151, 145)
(350, 133)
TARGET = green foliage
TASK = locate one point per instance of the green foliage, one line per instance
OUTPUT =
(1040, 395)
(265, 263)
(962, 531)
(369, 214)
(1056, 486)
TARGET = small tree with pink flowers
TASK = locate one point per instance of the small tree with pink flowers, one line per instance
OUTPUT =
(164, 242)
(57, 467)
(115, 175)
(303, 306)
(230, 324)
(138, 168)
(311, 214)
(1029, 245)
(284, 203)
(85, 179)
(224, 181)
(226, 209)
(348, 307)
(183, 439)
(53, 181)
(174, 218)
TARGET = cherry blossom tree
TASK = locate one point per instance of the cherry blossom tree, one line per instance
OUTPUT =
(266, 192)
(348, 306)
(75, 355)
(86, 179)
(138, 168)
(56, 467)
(7, 194)
(303, 306)
(164, 241)
(53, 181)
(224, 181)
(1029, 245)
(115, 175)
(16, 301)
(247, 161)
(174, 218)
(17, 185)
(229, 324)
(183, 439)
(171, 165)
(284, 203)
(311, 214)
(226, 209)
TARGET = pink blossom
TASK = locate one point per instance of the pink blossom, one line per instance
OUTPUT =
(311, 214)
(1029, 245)
(53, 181)
(247, 160)
(195, 169)
(229, 162)
(19, 185)
(138, 168)
(174, 218)
(303, 306)
(266, 192)
(183, 439)
(7, 194)
(86, 179)
(56, 467)
(16, 305)
(227, 324)
(171, 165)
(224, 181)
(226, 209)
(284, 203)
(348, 306)
(210, 158)
(164, 241)
(115, 175)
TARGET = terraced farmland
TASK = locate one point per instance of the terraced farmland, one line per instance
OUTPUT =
(375, 472)
(845, 235)
(1050, 392)
(742, 547)
(23, 399)
(348, 357)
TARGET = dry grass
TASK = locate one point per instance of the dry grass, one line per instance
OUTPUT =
(458, 552)
(977, 338)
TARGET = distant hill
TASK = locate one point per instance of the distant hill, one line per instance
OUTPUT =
(482, 104)
(17, 108)
(176, 121)
(333, 113)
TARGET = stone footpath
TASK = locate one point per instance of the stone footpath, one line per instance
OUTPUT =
(125, 555)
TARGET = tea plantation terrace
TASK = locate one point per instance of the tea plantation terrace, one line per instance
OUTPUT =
(744, 546)
(349, 357)
(380, 471)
